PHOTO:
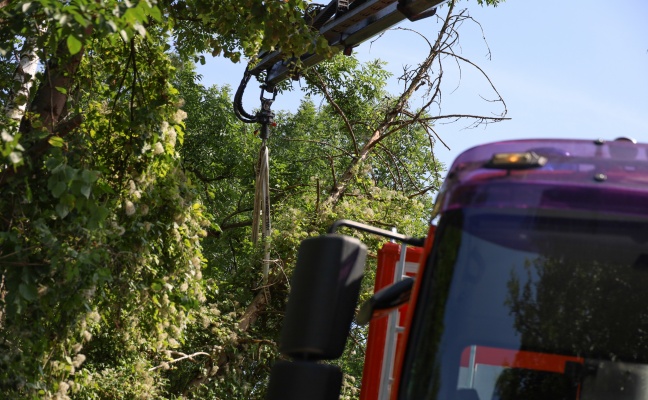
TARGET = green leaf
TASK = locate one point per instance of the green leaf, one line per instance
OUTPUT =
(62, 210)
(89, 176)
(97, 216)
(74, 44)
(81, 20)
(155, 13)
(86, 190)
(28, 292)
(56, 141)
(71, 173)
(37, 124)
(52, 163)
(59, 188)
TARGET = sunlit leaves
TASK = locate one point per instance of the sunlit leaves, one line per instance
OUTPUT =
(78, 263)
(74, 45)
(308, 151)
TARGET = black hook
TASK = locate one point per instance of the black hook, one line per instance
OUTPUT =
(264, 116)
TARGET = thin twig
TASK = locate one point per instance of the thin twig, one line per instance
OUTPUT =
(337, 108)
(184, 357)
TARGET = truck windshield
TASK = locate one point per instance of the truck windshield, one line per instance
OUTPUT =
(532, 305)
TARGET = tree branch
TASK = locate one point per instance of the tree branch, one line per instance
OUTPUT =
(165, 364)
(339, 110)
(204, 178)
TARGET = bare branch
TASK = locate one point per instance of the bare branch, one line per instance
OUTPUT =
(460, 116)
(429, 128)
(337, 108)
(206, 179)
(398, 161)
(422, 191)
(500, 99)
(395, 176)
(184, 357)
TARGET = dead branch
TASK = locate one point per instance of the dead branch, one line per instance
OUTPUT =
(165, 364)
(423, 191)
(329, 98)
(398, 161)
(428, 129)
(499, 99)
(396, 176)
(398, 117)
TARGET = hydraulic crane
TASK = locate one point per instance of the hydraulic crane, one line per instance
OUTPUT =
(344, 24)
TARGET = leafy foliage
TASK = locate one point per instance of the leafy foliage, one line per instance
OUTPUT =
(126, 192)
(100, 230)
(308, 150)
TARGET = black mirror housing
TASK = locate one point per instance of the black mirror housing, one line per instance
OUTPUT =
(324, 292)
(300, 380)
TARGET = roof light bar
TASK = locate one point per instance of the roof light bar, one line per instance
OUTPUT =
(526, 160)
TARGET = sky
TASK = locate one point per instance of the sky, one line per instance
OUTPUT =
(566, 69)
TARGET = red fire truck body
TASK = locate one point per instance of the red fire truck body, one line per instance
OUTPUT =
(394, 262)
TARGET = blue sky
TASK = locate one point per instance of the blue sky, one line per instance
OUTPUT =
(565, 69)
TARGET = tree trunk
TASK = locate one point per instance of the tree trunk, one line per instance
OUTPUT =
(51, 98)
(24, 77)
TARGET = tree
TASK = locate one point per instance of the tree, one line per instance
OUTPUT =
(125, 265)
(99, 238)
(309, 149)
(345, 159)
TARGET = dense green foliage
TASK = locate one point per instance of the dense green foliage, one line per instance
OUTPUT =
(126, 193)
(309, 149)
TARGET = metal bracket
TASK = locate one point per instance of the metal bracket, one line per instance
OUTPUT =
(404, 6)
(265, 116)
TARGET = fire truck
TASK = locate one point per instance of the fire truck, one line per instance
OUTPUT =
(530, 284)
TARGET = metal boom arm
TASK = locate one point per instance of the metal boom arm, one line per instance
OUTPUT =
(346, 24)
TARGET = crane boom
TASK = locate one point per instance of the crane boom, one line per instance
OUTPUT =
(345, 24)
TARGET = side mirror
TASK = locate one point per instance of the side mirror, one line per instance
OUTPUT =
(385, 300)
(324, 292)
(300, 380)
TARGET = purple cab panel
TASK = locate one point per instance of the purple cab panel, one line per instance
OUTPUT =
(579, 175)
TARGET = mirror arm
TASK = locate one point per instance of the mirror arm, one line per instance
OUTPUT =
(412, 241)
(385, 300)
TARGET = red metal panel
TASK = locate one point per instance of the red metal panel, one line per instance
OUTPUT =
(388, 257)
(402, 344)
